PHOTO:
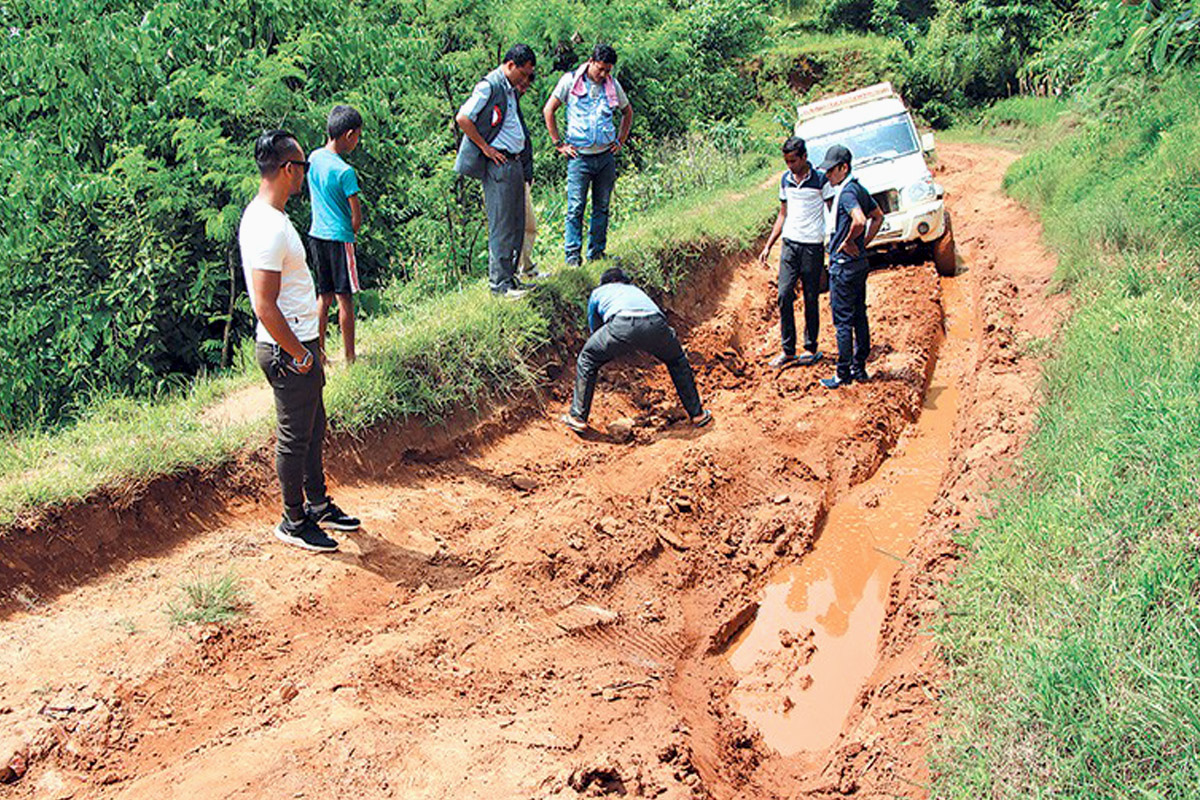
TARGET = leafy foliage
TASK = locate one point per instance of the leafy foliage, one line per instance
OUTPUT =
(125, 154)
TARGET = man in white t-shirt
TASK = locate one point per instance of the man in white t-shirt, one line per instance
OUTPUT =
(803, 190)
(288, 343)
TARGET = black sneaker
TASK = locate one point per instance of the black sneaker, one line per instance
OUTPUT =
(860, 376)
(306, 535)
(332, 517)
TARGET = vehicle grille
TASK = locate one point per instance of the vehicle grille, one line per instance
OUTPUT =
(888, 201)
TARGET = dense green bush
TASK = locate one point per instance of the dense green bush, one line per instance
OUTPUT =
(126, 139)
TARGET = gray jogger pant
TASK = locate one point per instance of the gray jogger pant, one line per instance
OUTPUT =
(299, 427)
(621, 335)
(504, 197)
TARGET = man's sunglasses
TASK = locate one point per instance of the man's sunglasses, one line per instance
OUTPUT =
(304, 164)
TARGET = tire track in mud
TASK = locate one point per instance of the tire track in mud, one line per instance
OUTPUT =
(532, 618)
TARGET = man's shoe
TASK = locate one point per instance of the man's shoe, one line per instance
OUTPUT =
(860, 376)
(836, 382)
(573, 422)
(305, 535)
(782, 360)
(573, 262)
(534, 273)
(702, 420)
(808, 359)
(514, 294)
(330, 516)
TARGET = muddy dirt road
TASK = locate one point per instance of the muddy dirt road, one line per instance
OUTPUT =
(736, 611)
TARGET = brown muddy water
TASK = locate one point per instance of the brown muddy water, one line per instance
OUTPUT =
(815, 637)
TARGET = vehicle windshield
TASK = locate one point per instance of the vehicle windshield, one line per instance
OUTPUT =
(875, 141)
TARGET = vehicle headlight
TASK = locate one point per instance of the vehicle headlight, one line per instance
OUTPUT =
(919, 192)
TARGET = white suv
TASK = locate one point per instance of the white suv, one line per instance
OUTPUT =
(889, 161)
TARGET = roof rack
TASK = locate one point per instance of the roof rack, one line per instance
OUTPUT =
(879, 91)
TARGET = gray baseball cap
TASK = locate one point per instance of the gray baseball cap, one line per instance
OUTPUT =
(834, 156)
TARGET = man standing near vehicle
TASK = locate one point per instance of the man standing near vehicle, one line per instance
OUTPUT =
(288, 343)
(496, 150)
(801, 221)
(591, 95)
(856, 220)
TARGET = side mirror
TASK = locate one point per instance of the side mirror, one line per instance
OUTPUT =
(927, 142)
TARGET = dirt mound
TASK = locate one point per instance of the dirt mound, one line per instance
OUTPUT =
(538, 615)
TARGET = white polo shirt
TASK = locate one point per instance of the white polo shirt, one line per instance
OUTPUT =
(805, 220)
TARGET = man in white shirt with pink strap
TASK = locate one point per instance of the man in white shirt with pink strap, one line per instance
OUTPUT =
(288, 343)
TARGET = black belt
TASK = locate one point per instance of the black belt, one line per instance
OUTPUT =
(514, 156)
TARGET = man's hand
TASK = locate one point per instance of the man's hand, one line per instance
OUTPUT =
(850, 248)
(494, 155)
(616, 147)
(764, 256)
(302, 366)
(567, 150)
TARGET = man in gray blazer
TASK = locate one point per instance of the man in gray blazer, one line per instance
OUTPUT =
(496, 150)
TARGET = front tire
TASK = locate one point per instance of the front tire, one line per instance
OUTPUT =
(945, 259)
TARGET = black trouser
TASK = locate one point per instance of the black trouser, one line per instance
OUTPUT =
(804, 262)
(621, 335)
(299, 427)
(848, 296)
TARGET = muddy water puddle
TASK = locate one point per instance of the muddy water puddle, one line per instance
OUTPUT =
(813, 642)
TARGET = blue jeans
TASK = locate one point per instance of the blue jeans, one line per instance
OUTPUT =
(598, 171)
(848, 296)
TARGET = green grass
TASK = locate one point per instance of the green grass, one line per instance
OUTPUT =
(1073, 628)
(801, 66)
(424, 360)
(208, 598)
(1017, 123)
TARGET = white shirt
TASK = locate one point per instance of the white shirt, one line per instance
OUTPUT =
(269, 242)
(805, 220)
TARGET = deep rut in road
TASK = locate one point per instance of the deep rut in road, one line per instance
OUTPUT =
(542, 615)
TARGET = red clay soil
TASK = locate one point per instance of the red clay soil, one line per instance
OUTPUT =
(540, 615)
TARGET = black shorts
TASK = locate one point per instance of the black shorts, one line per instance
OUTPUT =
(336, 266)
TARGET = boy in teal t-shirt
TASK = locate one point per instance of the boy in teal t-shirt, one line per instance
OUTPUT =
(336, 218)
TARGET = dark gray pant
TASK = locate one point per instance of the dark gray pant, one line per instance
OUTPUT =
(621, 335)
(848, 296)
(803, 262)
(504, 197)
(299, 428)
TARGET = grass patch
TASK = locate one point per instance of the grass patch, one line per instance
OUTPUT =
(427, 356)
(1073, 629)
(801, 66)
(1016, 123)
(208, 598)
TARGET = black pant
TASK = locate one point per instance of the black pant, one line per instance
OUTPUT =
(848, 296)
(621, 335)
(299, 427)
(804, 262)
